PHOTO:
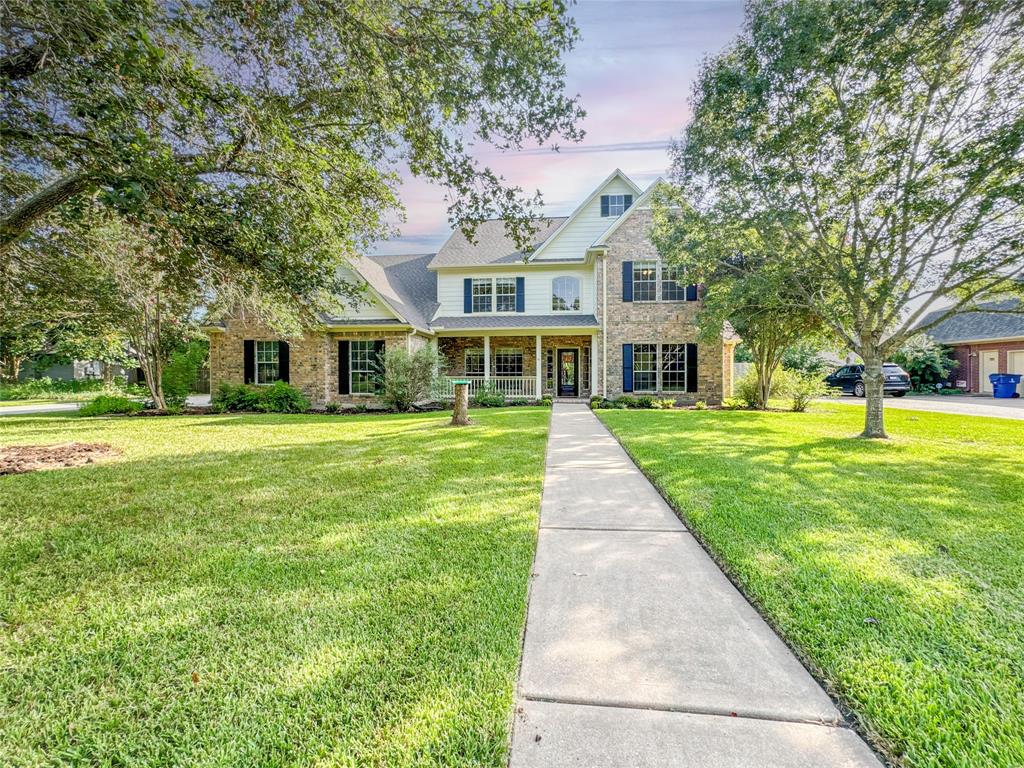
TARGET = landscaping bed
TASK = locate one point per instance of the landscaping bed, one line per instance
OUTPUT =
(268, 590)
(894, 568)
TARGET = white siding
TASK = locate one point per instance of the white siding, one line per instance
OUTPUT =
(572, 241)
(371, 308)
(537, 287)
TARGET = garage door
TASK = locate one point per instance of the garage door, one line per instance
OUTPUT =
(1015, 363)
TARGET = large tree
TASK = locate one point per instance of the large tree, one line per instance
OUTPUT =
(876, 147)
(267, 136)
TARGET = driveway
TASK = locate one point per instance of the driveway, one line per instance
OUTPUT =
(638, 650)
(964, 405)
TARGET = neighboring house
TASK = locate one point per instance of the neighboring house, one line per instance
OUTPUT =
(983, 342)
(588, 309)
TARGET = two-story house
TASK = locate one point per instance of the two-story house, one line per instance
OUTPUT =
(588, 308)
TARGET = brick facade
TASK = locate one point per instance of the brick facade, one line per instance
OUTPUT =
(639, 322)
(968, 359)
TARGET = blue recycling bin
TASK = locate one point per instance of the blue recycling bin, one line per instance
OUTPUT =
(1004, 384)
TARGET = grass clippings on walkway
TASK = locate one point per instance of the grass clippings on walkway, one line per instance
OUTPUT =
(896, 567)
(268, 590)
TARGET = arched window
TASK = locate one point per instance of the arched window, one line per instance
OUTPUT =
(565, 294)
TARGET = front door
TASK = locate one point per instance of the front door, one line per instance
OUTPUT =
(568, 373)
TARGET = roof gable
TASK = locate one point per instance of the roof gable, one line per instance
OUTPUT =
(642, 203)
(490, 245)
(582, 218)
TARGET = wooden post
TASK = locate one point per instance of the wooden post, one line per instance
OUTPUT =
(460, 416)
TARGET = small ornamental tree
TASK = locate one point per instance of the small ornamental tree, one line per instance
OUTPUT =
(874, 150)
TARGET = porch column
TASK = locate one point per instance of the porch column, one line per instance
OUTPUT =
(487, 359)
(593, 364)
(536, 369)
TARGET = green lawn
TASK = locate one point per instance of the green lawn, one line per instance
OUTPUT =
(923, 534)
(268, 590)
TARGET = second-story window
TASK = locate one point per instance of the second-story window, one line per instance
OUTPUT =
(505, 294)
(645, 281)
(673, 287)
(482, 289)
(615, 205)
(565, 294)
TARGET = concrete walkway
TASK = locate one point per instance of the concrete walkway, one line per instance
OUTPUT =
(638, 650)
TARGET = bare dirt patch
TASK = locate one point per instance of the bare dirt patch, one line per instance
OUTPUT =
(15, 459)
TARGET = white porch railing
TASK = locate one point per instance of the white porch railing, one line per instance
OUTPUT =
(509, 386)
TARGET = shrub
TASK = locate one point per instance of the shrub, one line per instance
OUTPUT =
(180, 373)
(407, 378)
(667, 404)
(63, 389)
(596, 401)
(746, 387)
(645, 401)
(333, 407)
(519, 401)
(802, 388)
(626, 401)
(279, 397)
(928, 364)
(489, 397)
(733, 403)
(547, 402)
(105, 404)
(700, 405)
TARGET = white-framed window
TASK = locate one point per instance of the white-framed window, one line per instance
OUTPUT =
(363, 367)
(673, 283)
(565, 294)
(505, 294)
(673, 368)
(268, 362)
(645, 367)
(549, 369)
(508, 362)
(475, 362)
(483, 288)
(645, 281)
(615, 205)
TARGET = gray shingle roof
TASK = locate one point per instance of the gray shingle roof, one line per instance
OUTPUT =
(483, 322)
(405, 283)
(491, 246)
(978, 326)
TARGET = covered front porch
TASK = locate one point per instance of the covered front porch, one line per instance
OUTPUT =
(521, 366)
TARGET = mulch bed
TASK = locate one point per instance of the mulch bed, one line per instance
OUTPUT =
(15, 459)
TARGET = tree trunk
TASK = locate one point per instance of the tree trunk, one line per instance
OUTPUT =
(460, 416)
(874, 393)
(108, 375)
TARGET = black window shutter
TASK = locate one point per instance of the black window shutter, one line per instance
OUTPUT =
(627, 200)
(249, 356)
(378, 356)
(467, 295)
(627, 367)
(343, 368)
(604, 205)
(627, 281)
(691, 367)
(282, 361)
(691, 293)
(520, 294)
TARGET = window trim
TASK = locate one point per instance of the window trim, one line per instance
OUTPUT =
(655, 280)
(659, 367)
(514, 294)
(487, 282)
(680, 286)
(351, 367)
(465, 360)
(515, 351)
(256, 362)
(493, 283)
(656, 371)
(579, 293)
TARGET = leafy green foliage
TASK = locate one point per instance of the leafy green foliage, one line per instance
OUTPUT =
(802, 388)
(179, 375)
(921, 534)
(278, 397)
(45, 388)
(928, 363)
(407, 378)
(105, 404)
(489, 397)
(869, 153)
(261, 139)
(807, 356)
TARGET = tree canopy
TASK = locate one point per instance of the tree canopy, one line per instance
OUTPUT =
(264, 139)
(875, 148)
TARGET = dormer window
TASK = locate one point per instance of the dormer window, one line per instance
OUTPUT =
(615, 205)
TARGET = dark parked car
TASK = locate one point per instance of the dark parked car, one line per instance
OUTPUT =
(850, 378)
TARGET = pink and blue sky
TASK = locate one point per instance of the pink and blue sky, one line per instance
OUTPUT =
(633, 69)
